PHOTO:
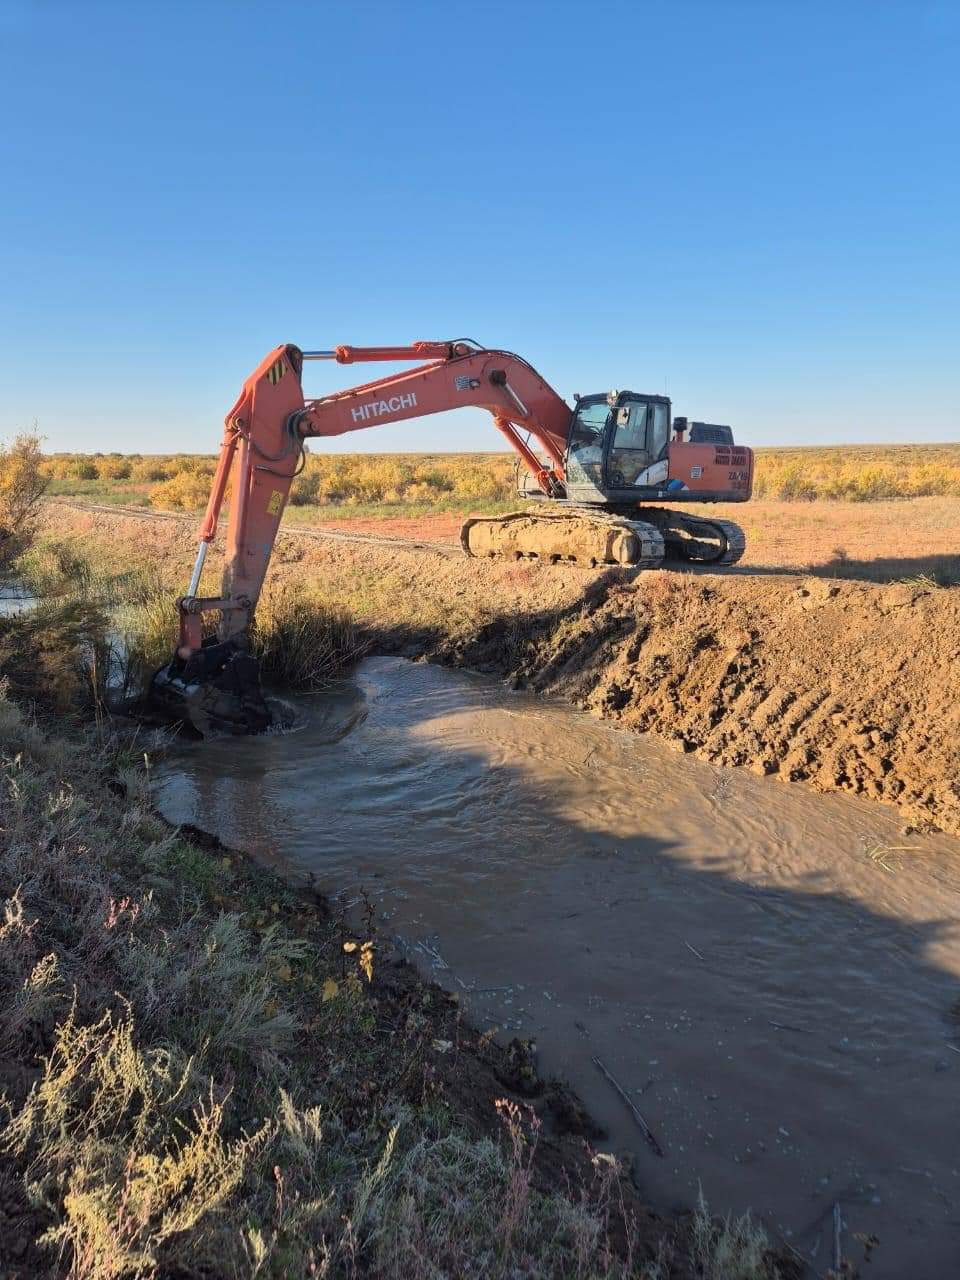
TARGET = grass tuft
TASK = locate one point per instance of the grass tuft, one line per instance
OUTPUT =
(192, 1104)
(302, 643)
(730, 1248)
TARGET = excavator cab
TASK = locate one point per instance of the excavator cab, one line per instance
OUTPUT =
(618, 448)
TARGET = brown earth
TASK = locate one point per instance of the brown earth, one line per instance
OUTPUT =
(844, 685)
(873, 541)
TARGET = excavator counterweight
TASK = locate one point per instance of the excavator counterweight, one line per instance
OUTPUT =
(594, 479)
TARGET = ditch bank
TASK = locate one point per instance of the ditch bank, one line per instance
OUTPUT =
(846, 686)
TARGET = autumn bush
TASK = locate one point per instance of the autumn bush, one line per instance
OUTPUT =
(186, 490)
(858, 474)
(354, 480)
(22, 485)
(114, 467)
(150, 470)
(380, 483)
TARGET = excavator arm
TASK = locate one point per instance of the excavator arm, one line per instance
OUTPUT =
(265, 431)
(213, 680)
(262, 451)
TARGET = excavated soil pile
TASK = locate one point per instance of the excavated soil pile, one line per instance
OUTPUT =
(846, 686)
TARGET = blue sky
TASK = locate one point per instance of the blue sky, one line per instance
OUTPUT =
(754, 205)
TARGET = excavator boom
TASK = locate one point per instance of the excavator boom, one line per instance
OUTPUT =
(265, 430)
(214, 677)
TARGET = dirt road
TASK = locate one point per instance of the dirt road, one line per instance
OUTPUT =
(868, 541)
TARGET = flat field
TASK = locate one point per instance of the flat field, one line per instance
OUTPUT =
(882, 513)
(417, 483)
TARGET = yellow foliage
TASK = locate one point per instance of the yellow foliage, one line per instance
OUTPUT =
(860, 473)
(854, 473)
(22, 483)
(114, 467)
(185, 491)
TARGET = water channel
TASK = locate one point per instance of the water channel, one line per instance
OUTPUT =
(772, 974)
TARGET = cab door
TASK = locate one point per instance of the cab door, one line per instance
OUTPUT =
(637, 458)
(585, 450)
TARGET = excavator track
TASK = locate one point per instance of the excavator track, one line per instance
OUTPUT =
(699, 539)
(576, 535)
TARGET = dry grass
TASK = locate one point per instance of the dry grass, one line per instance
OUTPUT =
(208, 1091)
(301, 642)
(56, 658)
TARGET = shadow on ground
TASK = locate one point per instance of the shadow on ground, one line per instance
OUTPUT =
(800, 1039)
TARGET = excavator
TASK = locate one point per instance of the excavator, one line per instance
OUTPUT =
(593, 478)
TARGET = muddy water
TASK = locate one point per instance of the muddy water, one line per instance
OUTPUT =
(768, 972)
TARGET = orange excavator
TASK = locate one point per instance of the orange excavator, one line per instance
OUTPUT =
(593, 478)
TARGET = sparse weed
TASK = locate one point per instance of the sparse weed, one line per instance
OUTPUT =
(730, 1248)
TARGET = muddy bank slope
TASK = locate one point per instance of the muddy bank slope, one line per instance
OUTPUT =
(846, 686)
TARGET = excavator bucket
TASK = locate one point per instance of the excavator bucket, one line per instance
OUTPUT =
(216, 690)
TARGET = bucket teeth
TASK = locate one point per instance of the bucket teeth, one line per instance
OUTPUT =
(217, 690)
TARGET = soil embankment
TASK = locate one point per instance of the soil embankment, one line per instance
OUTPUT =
(844, 685)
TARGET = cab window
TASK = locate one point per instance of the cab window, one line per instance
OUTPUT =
(629, 456)
(585, 454)
(632, 431)
(660, 431)
(591, 420)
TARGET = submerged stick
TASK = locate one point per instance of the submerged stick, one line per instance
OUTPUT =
(634, 1110)
(837, 1255)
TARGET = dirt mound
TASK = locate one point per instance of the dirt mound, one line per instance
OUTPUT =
(846, 686)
